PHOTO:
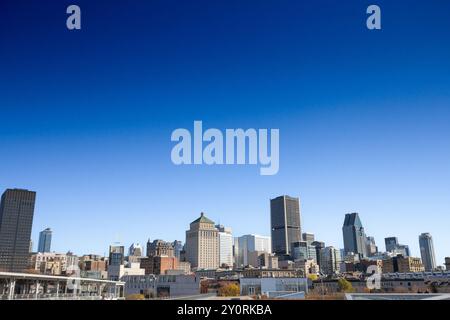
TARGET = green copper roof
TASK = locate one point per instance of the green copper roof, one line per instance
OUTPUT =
(203, 219)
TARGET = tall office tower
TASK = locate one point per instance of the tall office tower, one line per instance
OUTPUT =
(354, 235)
(16, 219)
(135, 250)
(202, 244)
(45, 240)
(396, 248)
(225, 246)
(391, 243)
(427, 251)
(330, 260)
(160, 248)
(286, 224)
(116, 255)
(250, 243)
(308, 237)
(447, 263)
(371, 247)
(177, 248)
(318, 246)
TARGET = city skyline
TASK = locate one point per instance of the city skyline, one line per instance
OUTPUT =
(363, 116)
(348, 217)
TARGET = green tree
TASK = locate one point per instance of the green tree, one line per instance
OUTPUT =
(344, 285)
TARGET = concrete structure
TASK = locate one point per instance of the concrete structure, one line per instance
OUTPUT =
(302, 250)
(273, 287)
(92, 262)
(116, 272)
(16, 219)
(135, 250)
(140, 284)
(330, 260)
(159, 264)
(447, 263)
(427, 251)
(318, 246)
(354, 235)
(24, 286)
(308, 237)
(202, 244)
(160, 248)
(225, 247)
(285, 223)
(52, 263)
(177, 248)
(116, 255)
(45, 240)
(402, 264)
(261, 259)
(248, 243)
(177, 285)
(392, 246)
(164, 286)
(307, 266)
(371, 247)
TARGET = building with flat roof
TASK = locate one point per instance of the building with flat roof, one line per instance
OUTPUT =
(16, 220)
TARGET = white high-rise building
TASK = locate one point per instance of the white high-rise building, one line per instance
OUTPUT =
(250, 243)
(225, 246)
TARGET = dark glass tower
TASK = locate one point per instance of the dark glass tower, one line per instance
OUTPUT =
(354, 235)
(16, 219)
(45, 240)
(285, 223)
(427, 251)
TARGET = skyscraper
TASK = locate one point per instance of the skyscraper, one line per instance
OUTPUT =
(248, 243)
(330, 260)
(45, 240)
(286, 224)
(391, 243)
(447, 263)
(354, 235)
(427, 251)
(371, 247)
(318, 246)
(177, 248)
(16, 219)
(202, 244)
(225, 246)
(396, 248)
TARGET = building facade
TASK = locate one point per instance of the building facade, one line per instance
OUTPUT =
(16, 219)
(354, 235)
(248, 243)
(330, 261)
(427, 251)
(285, 224)
(402, 264)
(225, 247)
(160, 248)
(202, 244)
(45, 240)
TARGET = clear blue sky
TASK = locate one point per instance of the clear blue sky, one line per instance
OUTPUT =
(86, 116)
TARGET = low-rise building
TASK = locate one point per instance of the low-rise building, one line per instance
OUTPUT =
(402, 264)
(159, 264)
(273, 287)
